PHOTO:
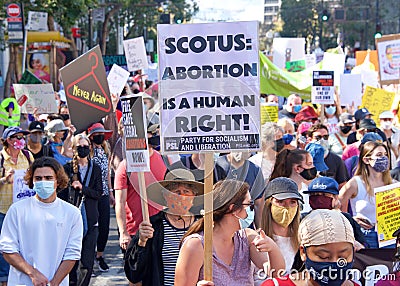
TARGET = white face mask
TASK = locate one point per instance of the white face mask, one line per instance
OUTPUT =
(386, 125)
(325, 144)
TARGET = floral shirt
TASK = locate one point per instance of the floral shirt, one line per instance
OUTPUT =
(101, 159)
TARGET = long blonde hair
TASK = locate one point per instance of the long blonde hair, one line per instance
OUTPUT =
(362, 168)
(267, 220)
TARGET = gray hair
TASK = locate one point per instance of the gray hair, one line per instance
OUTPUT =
(268, 132)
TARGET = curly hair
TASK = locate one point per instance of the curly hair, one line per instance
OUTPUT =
(61, 176)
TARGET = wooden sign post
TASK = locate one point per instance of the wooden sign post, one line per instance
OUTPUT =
(208, 215)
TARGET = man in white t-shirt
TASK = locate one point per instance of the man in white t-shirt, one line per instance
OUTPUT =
(42, 235)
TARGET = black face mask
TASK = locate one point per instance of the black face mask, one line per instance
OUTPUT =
(98, 139)
(309, 174)
(83, 151)
(345, 129)
(278, 145)
(64, 116)
(154, 141)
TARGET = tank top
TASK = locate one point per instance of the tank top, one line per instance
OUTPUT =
(363, 205)
(239, 273)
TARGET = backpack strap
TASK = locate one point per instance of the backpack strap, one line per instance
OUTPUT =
(340, 141)
(27, 155)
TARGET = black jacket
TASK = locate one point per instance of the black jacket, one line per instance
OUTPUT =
(92, 192)
(145, 263)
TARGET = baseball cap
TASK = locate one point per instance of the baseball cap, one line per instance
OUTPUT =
(346, 118)
(36, 126)
(386, 114)
(371, 136)
(323, 185)
(367, 124)
(282, 188)
(306, 113)
(317, 153)
(303, 127)
(10, 131)
(361, 113)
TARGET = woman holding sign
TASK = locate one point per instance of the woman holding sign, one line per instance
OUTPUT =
(153, 251)
(233, 248)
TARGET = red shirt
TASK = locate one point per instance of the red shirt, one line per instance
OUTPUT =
(133, 205)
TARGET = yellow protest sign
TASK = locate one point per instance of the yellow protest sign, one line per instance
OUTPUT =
(377, 100)
(387, 200)
(269, 113)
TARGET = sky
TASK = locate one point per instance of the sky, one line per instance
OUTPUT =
(229, 10)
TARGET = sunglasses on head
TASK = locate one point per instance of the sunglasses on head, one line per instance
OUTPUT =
(250, 204)
(19, 137)
(319, 137)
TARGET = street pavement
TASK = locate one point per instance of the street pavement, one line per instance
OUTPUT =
(114, 258)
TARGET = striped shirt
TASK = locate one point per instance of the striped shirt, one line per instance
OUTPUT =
(170, 250)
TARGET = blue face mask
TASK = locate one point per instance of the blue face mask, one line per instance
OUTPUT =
(248, 220)
(330, 110)
(328, 273)
(287, 138)
(44, 189)
(297, 108)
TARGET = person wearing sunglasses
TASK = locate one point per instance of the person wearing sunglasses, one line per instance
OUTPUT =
(281, 216)
(13, 157)
(318, 133)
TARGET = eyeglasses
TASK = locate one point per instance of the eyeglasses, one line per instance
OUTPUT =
(19, 137)
(250, 204)
(319, 137)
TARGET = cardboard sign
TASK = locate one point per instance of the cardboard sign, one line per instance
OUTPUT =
(323, 89)
(135, 53)
(311, 60)
(116, 79)
(269, 113)
(389, 58)
(377, 100)
(86, 89)
(296, 66)
(20, 189)
(287, 50)
(387, 200)
(373, 58)
(209, 89)
(31, 96)
(135, 134)
(350, 89)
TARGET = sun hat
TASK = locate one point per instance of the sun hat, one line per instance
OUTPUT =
(55, 125)
(99, 128)
(178, 175)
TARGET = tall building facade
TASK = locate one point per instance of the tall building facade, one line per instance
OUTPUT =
(271, 11)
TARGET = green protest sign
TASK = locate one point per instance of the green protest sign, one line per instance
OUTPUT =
(274, 80)
(296, 66)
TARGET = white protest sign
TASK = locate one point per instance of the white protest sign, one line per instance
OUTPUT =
(323, 89)
(116, 79)
(389, 58)
(311, 60)
(350, 89)
(40, 96)
(135, 53)
(135, 134)
(209, 87)
(287, 50)
(20, 189)
(334, 62)
(37, 21)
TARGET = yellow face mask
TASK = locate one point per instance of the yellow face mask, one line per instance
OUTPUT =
(283, 215)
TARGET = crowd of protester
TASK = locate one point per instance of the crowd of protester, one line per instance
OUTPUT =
(271, 208)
